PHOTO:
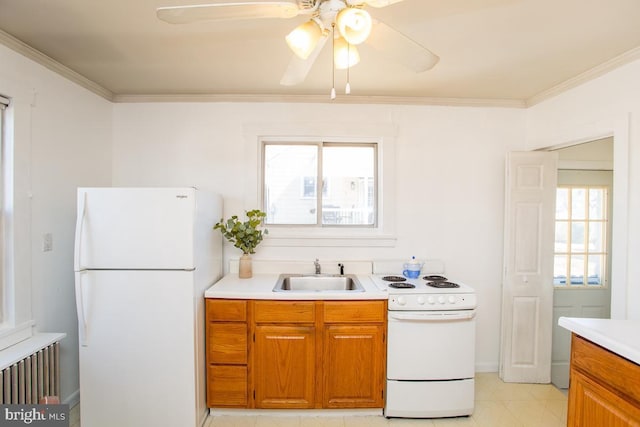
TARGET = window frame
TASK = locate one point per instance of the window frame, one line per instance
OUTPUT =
(4, 103)
(321, 189)
(569, 253)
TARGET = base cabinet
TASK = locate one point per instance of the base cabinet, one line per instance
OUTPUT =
(604, 387)
(284, 360)
(227, 353)
(296, 354)
(352, 369)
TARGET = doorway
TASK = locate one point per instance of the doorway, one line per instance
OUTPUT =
(585, 289)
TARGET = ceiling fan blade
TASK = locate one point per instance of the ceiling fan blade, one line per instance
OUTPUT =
(401, 48)
(381, 3)
(299, 68)
(228, 11)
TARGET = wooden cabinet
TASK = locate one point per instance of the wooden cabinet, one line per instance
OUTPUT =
(284, 354)
(284, 360)
(604, 387)
(227, 353)
(296, 354)
(354, 354)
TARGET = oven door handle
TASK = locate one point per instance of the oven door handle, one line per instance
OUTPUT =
(427, 316)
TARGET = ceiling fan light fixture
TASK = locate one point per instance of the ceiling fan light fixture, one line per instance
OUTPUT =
(304, 38)
(344, 54)
(354, 24)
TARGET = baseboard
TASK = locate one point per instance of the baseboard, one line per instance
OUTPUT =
(487, 367)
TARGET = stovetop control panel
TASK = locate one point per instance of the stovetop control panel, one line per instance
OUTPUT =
(432, 302)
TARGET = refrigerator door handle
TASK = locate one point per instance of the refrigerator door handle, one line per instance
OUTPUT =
(79, 226)
(80, 307)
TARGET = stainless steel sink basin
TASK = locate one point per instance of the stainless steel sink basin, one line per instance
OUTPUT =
(317, 283)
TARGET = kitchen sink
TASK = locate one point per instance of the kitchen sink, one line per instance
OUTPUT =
(318, 283)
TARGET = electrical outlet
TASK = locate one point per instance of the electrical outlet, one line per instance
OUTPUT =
(47, 242)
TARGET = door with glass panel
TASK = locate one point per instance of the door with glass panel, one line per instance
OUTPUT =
(582, 257)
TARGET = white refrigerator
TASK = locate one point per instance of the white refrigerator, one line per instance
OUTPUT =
(143, 259)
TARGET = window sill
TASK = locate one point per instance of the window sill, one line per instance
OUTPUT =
(11, 335)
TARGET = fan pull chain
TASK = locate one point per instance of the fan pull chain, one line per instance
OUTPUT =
(333, 61)
(347, 88)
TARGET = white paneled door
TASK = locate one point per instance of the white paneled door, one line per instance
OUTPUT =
(527, 290)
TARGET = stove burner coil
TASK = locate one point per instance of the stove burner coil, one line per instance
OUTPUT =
(435, 278)
(443, 284)
(394, 279)
(402, 285)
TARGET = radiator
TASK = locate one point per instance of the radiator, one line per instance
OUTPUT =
(30, 379)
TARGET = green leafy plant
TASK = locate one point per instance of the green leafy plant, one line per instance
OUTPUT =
(244, 235)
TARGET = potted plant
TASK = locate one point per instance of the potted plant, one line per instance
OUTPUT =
(244, 236)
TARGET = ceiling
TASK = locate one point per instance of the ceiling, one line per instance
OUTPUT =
(502, 50)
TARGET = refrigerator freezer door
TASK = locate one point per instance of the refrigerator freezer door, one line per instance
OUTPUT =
(138, 367)
(135, 228)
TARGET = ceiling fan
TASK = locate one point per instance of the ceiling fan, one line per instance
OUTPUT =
(345, 21)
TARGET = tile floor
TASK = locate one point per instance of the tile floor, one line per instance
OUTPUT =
(498, 404)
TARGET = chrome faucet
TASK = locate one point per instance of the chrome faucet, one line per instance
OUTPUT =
(316, 263)
(341, 267)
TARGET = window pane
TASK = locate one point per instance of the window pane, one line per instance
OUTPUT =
(580, 236)
(562, 237)
(578, 203)
(577, 236)
(348, 175)
(560, 270)
(596, 203)
(595, 270)
(290, 179)
(562, 203)
(577, 269)
(596, 236)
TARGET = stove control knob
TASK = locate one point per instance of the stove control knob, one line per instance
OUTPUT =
(431, 300)
(421, 300)
(452, 299)
(402, 301)
(441, 299)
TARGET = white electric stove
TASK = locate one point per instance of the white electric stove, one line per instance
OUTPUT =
(430, 346)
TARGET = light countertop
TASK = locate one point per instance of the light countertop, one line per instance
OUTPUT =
(618, 336)
(260, 286)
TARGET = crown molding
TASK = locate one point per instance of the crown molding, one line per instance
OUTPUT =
(322, 99)
(591, 74)
(35, 55)
(24, 49)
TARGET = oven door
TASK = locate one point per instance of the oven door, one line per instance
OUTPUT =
(431, 345)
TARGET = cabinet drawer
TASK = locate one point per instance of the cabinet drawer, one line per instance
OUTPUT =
(284, 311)
(227, 386)
(226, 310)
(611, 370)
(227, 343)
(354, 311)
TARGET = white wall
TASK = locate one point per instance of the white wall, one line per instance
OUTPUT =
(62, 141)
(449, 168)
(608, 105)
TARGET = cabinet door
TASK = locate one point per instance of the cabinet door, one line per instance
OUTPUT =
(592, 405)
(284, 361)
(353, 369)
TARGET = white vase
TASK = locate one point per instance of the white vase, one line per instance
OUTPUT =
(244, 269)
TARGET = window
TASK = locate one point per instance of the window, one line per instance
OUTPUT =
(320, 183)
(581, 241)
(3, 105)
